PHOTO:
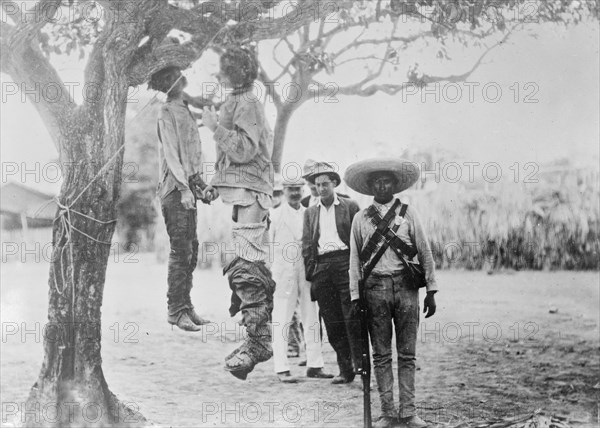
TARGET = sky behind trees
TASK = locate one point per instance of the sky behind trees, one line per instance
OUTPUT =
(559, 69)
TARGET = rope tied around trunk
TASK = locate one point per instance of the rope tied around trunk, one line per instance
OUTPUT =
(66, 232)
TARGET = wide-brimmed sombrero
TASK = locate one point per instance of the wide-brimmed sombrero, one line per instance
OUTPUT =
(312, 169)
(406, 172)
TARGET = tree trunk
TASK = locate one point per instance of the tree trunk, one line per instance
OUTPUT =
(284, 115)
(71, 390)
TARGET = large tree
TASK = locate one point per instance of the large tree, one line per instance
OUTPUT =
(125, 46)
(122, 43)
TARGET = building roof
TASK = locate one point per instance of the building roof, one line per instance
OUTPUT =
(16, 198)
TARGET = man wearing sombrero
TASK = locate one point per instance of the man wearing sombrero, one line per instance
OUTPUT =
(386, 237)
(326, 252)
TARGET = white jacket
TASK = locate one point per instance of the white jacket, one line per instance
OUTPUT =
(286, 238)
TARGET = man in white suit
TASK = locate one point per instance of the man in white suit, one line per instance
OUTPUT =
(292, 287)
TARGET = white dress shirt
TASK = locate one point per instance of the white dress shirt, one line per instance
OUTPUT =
(329, 239)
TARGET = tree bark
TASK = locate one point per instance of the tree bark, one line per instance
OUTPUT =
(284, 115)
(71, 390)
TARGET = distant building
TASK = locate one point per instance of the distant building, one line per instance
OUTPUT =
(23, 208)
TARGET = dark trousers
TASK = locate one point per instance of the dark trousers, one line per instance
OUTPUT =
(183, 257)
(330, 288)
(393, 300)
(252, 289)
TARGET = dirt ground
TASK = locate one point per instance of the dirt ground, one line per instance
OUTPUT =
(493, 350)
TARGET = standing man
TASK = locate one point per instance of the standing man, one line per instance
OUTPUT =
(181, 154)
(391, 292)
(326, 252)
(292, 286)
(313, 198)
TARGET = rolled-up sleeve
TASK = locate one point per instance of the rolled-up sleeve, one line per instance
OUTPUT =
(425, 256)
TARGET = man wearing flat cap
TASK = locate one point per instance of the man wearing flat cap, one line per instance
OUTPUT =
(386, 237)
(292, 287)
(326, 251)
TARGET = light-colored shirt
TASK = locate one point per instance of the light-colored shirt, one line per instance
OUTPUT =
(180, 148)
(329, 239)
(244, 145)
(410, 231)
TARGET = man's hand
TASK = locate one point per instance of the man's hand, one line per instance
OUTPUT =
(429, 305)
(210, 193)
(197, 102)
(188, 200)
(209, 118)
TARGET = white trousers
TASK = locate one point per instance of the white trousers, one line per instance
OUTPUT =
(293, 289)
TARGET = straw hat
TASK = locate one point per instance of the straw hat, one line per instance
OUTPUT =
(312, 169)
(406, 172)
(308, 167)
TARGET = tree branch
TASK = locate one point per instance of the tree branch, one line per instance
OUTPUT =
(270, 86)
(356, 43)
(32, 22)
(359, 89)
(202, 19)
(360, 58)
(206, 27)
(464, 76)
(389, 89)
(33, 74)
(307, 11)
(284, 69)
(381, 64)
(5, 32)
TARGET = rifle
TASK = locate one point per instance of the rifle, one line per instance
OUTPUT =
(365, 365)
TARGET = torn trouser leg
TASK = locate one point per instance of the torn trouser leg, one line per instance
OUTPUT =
(252, 293)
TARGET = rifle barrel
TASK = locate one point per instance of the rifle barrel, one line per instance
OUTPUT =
(366, 358)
